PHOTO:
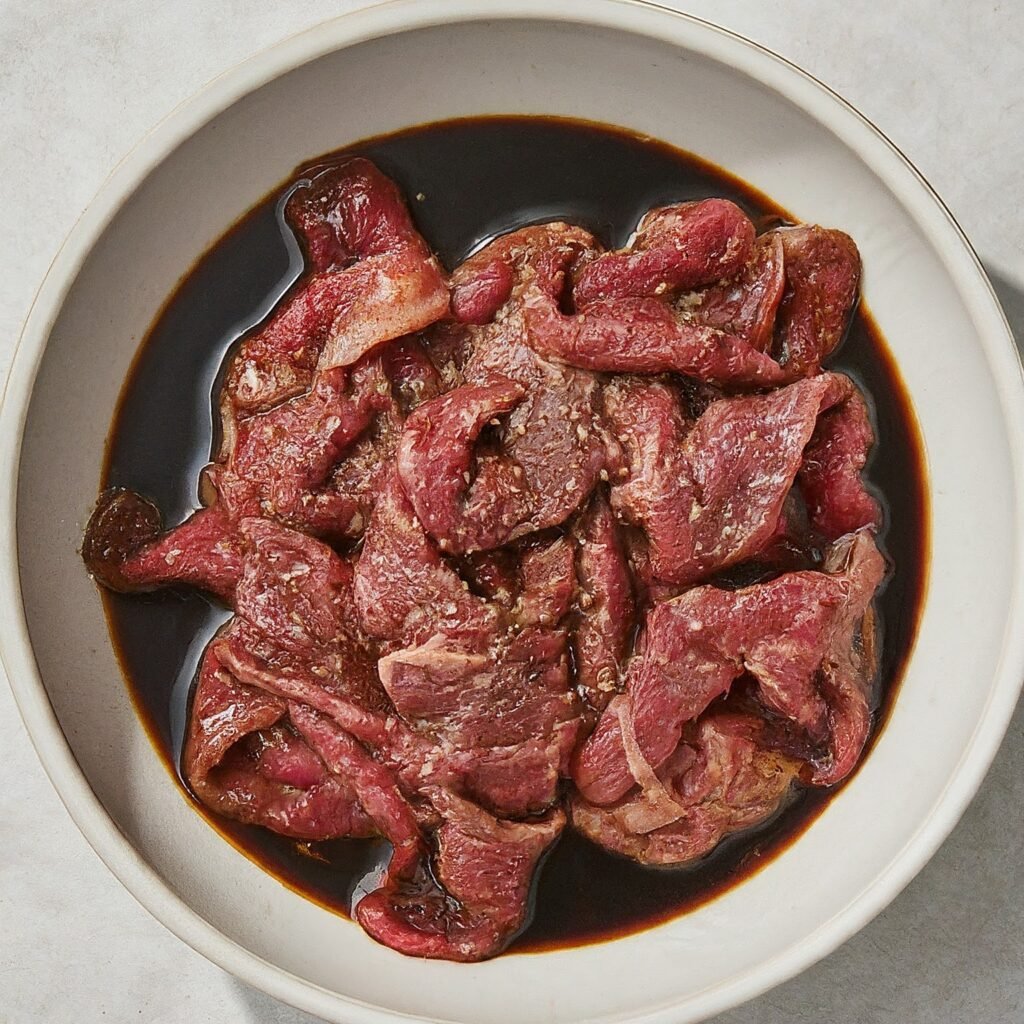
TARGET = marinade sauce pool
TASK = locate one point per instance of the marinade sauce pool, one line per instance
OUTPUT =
(467, 181)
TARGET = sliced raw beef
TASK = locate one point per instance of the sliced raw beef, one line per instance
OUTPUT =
(822, 275)
(293, 588)
(626, 322)
(472, 900)
(719, 780)
(280, 460)
(374, 784)
(482, 284)
(711, 495)
(493, 574)
(676, 248)
(551, 435)
(483, 570)
(277, 362)
(464, 503)
(503, 716)
(478, 291)
(291, 463)
(783, 632)
(124, 549)
(606, 605)
(295, 634)
(338, 680)
(744, 305)
(848, 669)
(645, 335)
(244, 759)
(487, 699)
(406, 379)
(373, 279)
(392, 295)
(515, 779)
(548, 584)
(350, 211)
(405, 592)
(721, 335)
(830, 476)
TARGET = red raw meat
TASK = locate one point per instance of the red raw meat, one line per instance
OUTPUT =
(463, 503)
(645, 335)
(245, 760)
(125, 550)
(822, 276)
(720, 779)
(405, 592)
(373, 279)
(711, 495)
(744, 305)
(606, 605)
(676, 247)
(782, 632)
(474, 900)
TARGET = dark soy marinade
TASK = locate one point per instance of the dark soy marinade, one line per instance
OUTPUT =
(467, 181)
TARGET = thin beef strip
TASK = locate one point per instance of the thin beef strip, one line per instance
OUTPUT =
(783, 632)
(551, 436)
(287, 463)
(744, 305)
(836, 497)
(482, 284)
(547, 584)
(291, 462)
(644, 335)
(472, 899)
(374, 784)
(719, 336)
(294, 634)
(280, 461)
(294, 637)
(675, 248)
(606, 604)
(480, 288)
(405, 592)
(125, 550)
(244, 759)
(848, 669)
(462, 510)
(711, 495)
(495, 704)
(720, 779)
(373, 279)
(822, 276)
(309, 779)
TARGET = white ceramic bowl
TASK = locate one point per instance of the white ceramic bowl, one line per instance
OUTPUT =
(675, 78)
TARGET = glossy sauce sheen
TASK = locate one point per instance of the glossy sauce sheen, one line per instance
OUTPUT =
(467, 181)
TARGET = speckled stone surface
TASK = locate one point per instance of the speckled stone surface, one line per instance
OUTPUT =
(81, 81)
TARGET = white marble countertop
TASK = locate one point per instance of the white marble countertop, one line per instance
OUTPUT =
(82, 80)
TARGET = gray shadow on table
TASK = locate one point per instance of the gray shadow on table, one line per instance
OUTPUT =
(949, 949)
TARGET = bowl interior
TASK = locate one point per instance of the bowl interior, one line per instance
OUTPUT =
(914, 285)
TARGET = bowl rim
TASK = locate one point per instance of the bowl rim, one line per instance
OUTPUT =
(387, 17)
